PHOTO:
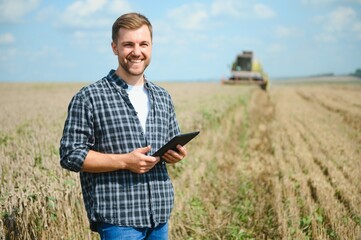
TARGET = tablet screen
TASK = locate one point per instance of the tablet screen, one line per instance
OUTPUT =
(181, 139)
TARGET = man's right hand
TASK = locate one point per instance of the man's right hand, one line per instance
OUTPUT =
(139, 162)
(136, 161)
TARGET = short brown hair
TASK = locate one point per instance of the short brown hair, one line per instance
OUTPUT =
(130, 21)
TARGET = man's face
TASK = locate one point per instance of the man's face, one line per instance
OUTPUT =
(134, 50)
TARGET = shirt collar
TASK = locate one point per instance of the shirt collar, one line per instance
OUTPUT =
(114, 78)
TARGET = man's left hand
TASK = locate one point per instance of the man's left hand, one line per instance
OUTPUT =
(173, 157)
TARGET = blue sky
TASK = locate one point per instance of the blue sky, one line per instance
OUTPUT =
(193, 40)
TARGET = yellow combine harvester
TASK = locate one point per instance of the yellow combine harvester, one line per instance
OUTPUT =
(247, 70)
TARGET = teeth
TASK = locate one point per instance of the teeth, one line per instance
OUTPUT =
(135, 60)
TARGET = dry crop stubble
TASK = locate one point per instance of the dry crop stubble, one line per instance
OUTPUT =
(202, 194)
(36, 194)
(328, 203)
(277, 165)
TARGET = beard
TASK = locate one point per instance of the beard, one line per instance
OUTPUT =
(136, 72)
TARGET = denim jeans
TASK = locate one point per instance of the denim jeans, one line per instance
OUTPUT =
(114, 232)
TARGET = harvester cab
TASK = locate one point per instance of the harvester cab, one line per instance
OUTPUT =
(243, 62)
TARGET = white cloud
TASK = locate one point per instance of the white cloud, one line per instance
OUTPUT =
(116, 6)
(190, 16)
(84, 7)
(317, 2)
(14, 10)
(233, 8)
(340, 19)
(245, 9)
(86, 14)
(81, 13)
(90, 21)
(7, 38)
(198, 16)
(263, 11)
(285, 32)
(337, 24)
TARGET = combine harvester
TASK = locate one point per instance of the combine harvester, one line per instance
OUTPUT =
(247, 70)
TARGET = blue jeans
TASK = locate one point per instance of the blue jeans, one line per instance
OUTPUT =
(114, 232)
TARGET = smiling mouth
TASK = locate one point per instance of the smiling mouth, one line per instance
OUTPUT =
(135, 60)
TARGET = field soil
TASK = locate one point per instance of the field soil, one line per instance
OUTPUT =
(277, 164)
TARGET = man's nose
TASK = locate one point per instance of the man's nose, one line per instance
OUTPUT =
(136, 50)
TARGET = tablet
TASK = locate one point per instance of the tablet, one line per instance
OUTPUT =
(181, 139)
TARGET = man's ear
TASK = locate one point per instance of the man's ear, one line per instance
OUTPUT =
(114, 48)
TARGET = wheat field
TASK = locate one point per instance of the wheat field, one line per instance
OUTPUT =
(281, 164)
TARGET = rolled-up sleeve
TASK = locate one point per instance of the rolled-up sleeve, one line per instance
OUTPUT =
(78, 134)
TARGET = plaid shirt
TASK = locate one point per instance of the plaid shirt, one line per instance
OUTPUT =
(102, 118)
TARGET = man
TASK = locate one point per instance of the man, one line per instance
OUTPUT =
(113, 127)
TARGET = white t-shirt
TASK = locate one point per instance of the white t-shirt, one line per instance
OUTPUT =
(139, 98)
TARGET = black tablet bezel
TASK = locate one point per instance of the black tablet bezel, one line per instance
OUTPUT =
(181, 139)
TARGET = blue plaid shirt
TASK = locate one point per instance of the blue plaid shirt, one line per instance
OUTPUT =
(102, 118)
